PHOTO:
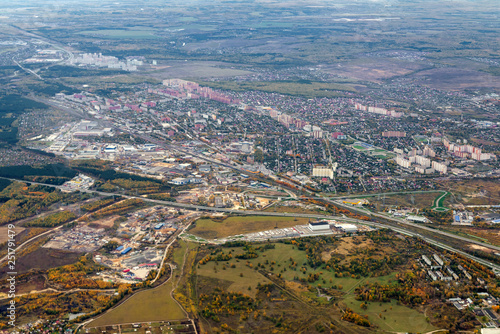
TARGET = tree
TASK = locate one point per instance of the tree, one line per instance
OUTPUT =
(258, 155)
(110, 246)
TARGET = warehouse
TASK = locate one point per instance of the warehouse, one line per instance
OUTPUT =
(319, 226)
(347, 228)
(417, 219)
(126, 250)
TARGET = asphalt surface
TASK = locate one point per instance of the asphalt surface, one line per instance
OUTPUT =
(401, 229)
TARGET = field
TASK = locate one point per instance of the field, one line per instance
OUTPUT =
(149, 305)
(375, 70)
(280, 255)
(293, 209)
(4, 234)
(491, 236)
(438, 202)
(209, 229)
(241, 278)
(42, 258)
(307, 89)
(286, 266)
(458, 79)
(120, 33)
(195, 69)
(472, 192)
(391, 316)
(419, 200)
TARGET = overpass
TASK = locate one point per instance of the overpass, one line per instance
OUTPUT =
(401, 229)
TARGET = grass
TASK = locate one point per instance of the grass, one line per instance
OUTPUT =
(209, 229)
(438, 202)
(307, 89)
(250, 277)
(293, 209)
(485, 235)
(420, 200)
(280, 255)
(361, 148)
(391, 316)
(149, 305)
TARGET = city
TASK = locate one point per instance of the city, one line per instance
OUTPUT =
(314, 168)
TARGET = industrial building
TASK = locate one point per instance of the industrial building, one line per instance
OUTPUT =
(346, 228)
(438, 259)
(417, 219)
(126, 250)
(319, 226)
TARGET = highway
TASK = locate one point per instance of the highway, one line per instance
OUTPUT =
(28, 70)
(401, 229)
(407, 223)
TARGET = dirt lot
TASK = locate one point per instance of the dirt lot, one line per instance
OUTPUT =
(4, 234)
(105, 222)
(419, 200)
(42, 258)
(473, 192)
(457, 79)
(481, 248)
(375, 70)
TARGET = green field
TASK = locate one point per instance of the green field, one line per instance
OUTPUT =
(391, 316)
(209, 229)
(281, 256)
(244, 276)
(438, 202)
(119, 33)
(251, 278)
(149, 305)
(307, 89)
(357, 147)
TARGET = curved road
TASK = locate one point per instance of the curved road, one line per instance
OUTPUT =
(282, 214)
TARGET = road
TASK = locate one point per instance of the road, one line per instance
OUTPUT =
(28, 70)
(121, 303)
(318, 216)
(436, 202)
(59, 291)
(414, 225)
(173, 238)
(58, 105)
(30, 240)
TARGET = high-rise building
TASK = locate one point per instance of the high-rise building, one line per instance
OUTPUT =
(322, 171)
